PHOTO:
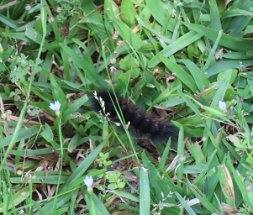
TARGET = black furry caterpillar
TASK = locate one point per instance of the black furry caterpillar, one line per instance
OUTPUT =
(145, 124)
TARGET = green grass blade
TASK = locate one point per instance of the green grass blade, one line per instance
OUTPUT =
(144, 192)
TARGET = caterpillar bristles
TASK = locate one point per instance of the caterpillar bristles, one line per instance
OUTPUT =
(144, 124)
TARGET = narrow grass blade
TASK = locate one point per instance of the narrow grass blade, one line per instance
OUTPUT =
(174, 47)
(144, 192)
(199, 76)
(17, 198)
(201, 196)
(184, 204)
(86, 66)
(180, 73)
(95, 205)
(84, 165)
(237, 44)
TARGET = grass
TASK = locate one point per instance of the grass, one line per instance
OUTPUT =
(189, 60)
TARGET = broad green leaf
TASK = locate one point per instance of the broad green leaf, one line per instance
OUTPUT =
(181, 74)
(161, 13)
(233, 43)
(176, 46)
(33, 35)
(18, 197)
(84, 165)
(9, 22)
(86, 66)
(47, 134)
(215, 15)
(227, 186)
(198, 74)
(57, 91)
(125, 32)
(95, 205)
(24, 134)
(202, 198)
(128, 12)
(223, 65)
(185, 204)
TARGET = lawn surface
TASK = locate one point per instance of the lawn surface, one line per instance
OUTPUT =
(186, 61)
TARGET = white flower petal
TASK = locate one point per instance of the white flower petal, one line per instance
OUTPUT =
(88, 181)
(55, 106)
(222, 105)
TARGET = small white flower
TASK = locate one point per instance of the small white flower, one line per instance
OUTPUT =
(22, 211)
(88, 181)
(55, 107)
(28, 7)
(120, 43)
(113, 69)
(113, 60)
(23, 194)
(222, 105)
(218, 54)
(100, 101)
(51, 20)
(115, 35)
(1, 48)
(58, 9)
(174, 12)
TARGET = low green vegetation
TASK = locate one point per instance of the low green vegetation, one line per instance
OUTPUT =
(190, 61)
